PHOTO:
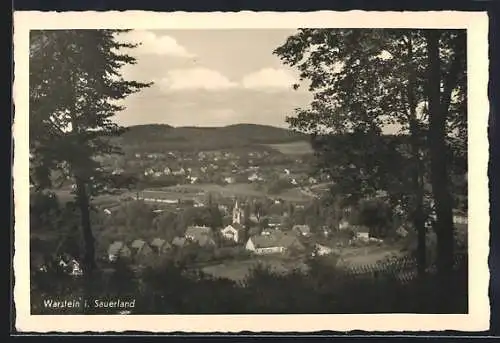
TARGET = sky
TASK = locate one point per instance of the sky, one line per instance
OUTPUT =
(211, 78)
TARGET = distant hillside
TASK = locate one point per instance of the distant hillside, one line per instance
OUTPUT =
(261, 134)
(162, 137)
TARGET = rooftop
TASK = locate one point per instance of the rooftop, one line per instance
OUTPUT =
(138, 244)
(276, 239)
(197, 231)
(115, 247)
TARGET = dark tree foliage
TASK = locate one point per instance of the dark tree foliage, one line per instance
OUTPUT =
(377, 216)
(174, 289)
(366, 80)
(75, 89)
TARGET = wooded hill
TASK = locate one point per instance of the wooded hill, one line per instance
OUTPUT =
(163, 137)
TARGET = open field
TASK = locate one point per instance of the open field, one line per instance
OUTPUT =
(190, 192)
(65, 195)
(293, 148)
(367, 255)
(167, 194)
(238, 270)
(349, 257)
(239, 189)
(228, 190)
(296, 194)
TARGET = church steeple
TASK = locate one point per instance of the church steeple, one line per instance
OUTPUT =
(237, 213)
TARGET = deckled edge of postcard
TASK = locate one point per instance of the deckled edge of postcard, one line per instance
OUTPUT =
(478, 109)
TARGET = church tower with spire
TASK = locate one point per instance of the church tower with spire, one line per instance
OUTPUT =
(238, 214)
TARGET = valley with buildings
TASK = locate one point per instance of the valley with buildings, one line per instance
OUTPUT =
(302, 176)
(224, 211)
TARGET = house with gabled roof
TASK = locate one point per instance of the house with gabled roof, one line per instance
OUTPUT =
(205, 241)
(118, 250)
(140, 248)
(195, 231)
(277, 242)
(160, 246)
(232, 232)
(179, 242)
(361, 232)
(202, 235)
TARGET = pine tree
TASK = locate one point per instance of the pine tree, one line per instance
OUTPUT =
(75, 89)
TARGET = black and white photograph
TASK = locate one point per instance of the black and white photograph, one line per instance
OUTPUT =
(251, 170)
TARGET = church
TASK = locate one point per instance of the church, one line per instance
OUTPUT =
(238, 214)
(235, 230)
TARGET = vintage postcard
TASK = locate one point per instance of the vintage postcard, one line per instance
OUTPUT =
(229, 172)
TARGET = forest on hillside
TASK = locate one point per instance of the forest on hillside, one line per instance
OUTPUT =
(158, 137)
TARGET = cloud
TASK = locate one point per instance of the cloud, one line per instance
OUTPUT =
(153, 44)
(206, 108)
(217, 116)
(268, 79)
(195, 78)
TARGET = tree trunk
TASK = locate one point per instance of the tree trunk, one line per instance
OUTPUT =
(418, 216)
(439, 167)
(88, 238)
(417, 175)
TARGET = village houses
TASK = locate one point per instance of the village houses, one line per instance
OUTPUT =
(277, 242)
(303, 230)
(160, 246)
(140, 248)
(361, 232)
(118, 250)
(460, 218)
(343, 224)
(233, 232)
(254, 177)
(202, 235)
(322, 250)
(229, 180)
(178, 242)
(274, 221)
